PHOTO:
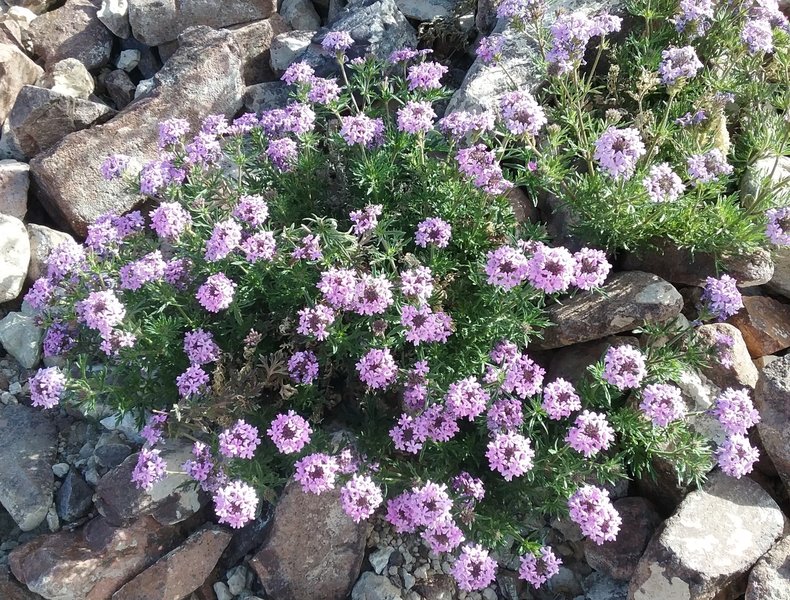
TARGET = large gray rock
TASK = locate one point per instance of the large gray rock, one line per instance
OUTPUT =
(37, 6)
(266, 95)
(742, 373)
(202, 78)
(681, 266)
(14, 183)
(520, 65)
(426, 10)
(626, 301)
(42, 117)
(255, 40)
(14, 257)
(21, 338)
(772, 400)
(16, 70)
(155, 22)
(28, 443)
(378, 27)
(770, 577)
(313, 544)
(780, 282)
(74, 498)
(170, 501)
(92, 562)
(115, 16)
(706, 549)
(773, 170)
(287, 47)
(300, 14)
(42, 241)
(120, 88)
(72, 31)
(375, 587)
(70, 77)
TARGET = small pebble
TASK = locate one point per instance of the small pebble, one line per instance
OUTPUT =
(60, 469)
(15, 388)
(421, 572)
(489, 594)
(222, 591)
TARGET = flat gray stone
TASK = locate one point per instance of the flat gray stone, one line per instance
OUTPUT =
(287, 47)
(375, 587)
(266, 96)
(626, 301)
(300, 14)
(16, 70)
(706, 549)
(772, 400)
(14, 184)
(770, 577)
(14, 257)
(28, 444)
(21, 338)
(426, 10)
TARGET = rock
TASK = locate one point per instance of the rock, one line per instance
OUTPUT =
(145, 87)
(681, 266)
(312, 545)
(149, 61)
(69, 77)
(438, 587)
(380, 558)
(764, 324)
(772, 401)
(776, 170)
(222, 591)
(21, 338)
(598, 586)
(202, 78)
(167, 50)
(36, 6)
(565, 583)
(618, 559)
(93, 562)
(780, 282)
(120, 88)
(742, 373)
(377, 27)
(248, 538)
(72, 31)
(16, 70)
(14, 257)
(626, 301)
(155, 22)
(42, 241)
(125, 423)
(60, 469)
(28, 442)
(128, 60)
(74, 498)
(239, 579)
(11, 590)
(300, 14)
(265, 96)
(255, 40)
(179, 572)
(42, 117)
(112, 454)
(374, 587)
(706, 549)
(426, 10)
(115, 16)
(287, 47)
(571, 362)
(170, 501)
(770, 577)
(14, 183)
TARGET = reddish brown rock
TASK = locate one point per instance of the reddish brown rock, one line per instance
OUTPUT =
(181, 571)
(203, 77)
(743, 372)
(313, 545)
(618, 559)
(626, 301)
(16, 71)
(764, 324)
(772, 400)
(255, 40)
(11, 590)
(72, 31)
(92, 563)
(571, 362)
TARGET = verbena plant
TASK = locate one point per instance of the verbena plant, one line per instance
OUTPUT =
(346, 279)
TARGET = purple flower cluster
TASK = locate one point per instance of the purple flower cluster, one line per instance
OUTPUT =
(373, 295)
(147, 269)
(201, 467)
(735, 411)
(523, 377)
(433, 231)
(424, 325)
(506, 267)
(457, 125)
(425, 76)
(490, 48)
(101, 311)
(466, 398)
(537, 570)
(474, 569)
(758, 36)
(560, 399)
(259, 246)
(283, 153)
(377, 368)
(361, 129)
(337, 41)
(152, 432)
(521, 113)
(707, 167)
(618, 150)
(303, 366)
(40, 293)
(590, 434)
(505, 415)
(235, 504)
(722, 297)
(482, 167)
(316, 473)
(216, 293)
(298, 72)
(523, 11)
(200, 347)
(150, 469)
(417, 283)
(65, 259)
(416, 116)
(360, 497)
(570, 34)
(313, 321)
(114, 166)
(551, 269)
(239, 441)
(289, 432)
(47, 387)
(409, 434)
(169, 220)
(778, 227)
(323, 91)
(172, 131)
(736, 456)
(365, 220)
(624, 367)
(694, 17)
(592, 268)
(192, 381)
(591, 508)
(662, 403)
(510, 454)
(663, 184)
(339, 287)
(678, 63)
(156, 175)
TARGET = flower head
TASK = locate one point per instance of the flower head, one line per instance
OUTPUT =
(200, 347)
(560, 399)
(591, 268)
(289, 432)
(704, 168)
(591, 509)
(316, 473)
(735, 411)
(416, 117)
(47, 387)
(339, 287)
(169, 220)
(736, 456)
(490, 48)
(373, 295)
(551, 269)
(778, 228)
(150, 468)
(360, 497)
(618, 150)
(537, 570)
(758, 36)
(216, 293)
(624, 367)
(337, 41)
(239, 441)
(377, 368)
(425, 76)
(235, 504)
(365, 220)
(192, 381)
(433, 231)
(474, 569)
(678, 63)
(101, 311)
(314, 321)
(466, 398)
(225, 238)
(303, 366)
(510, 454)
(521, 113)
(590, 434)
(662, 403)
(722, 297)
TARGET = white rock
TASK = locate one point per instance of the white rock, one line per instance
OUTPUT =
(426, 10)
(144, 87)
(128, 60)
(60, 469)
(239, 579)
(300, 14)
(222, 591)
(14, 184)
(115, 16)
(14, 257)
(287, 47)
(69, 77)
(42, 241)
(21, 338)
(776, 171)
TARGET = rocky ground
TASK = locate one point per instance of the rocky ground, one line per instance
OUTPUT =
(81, 79)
